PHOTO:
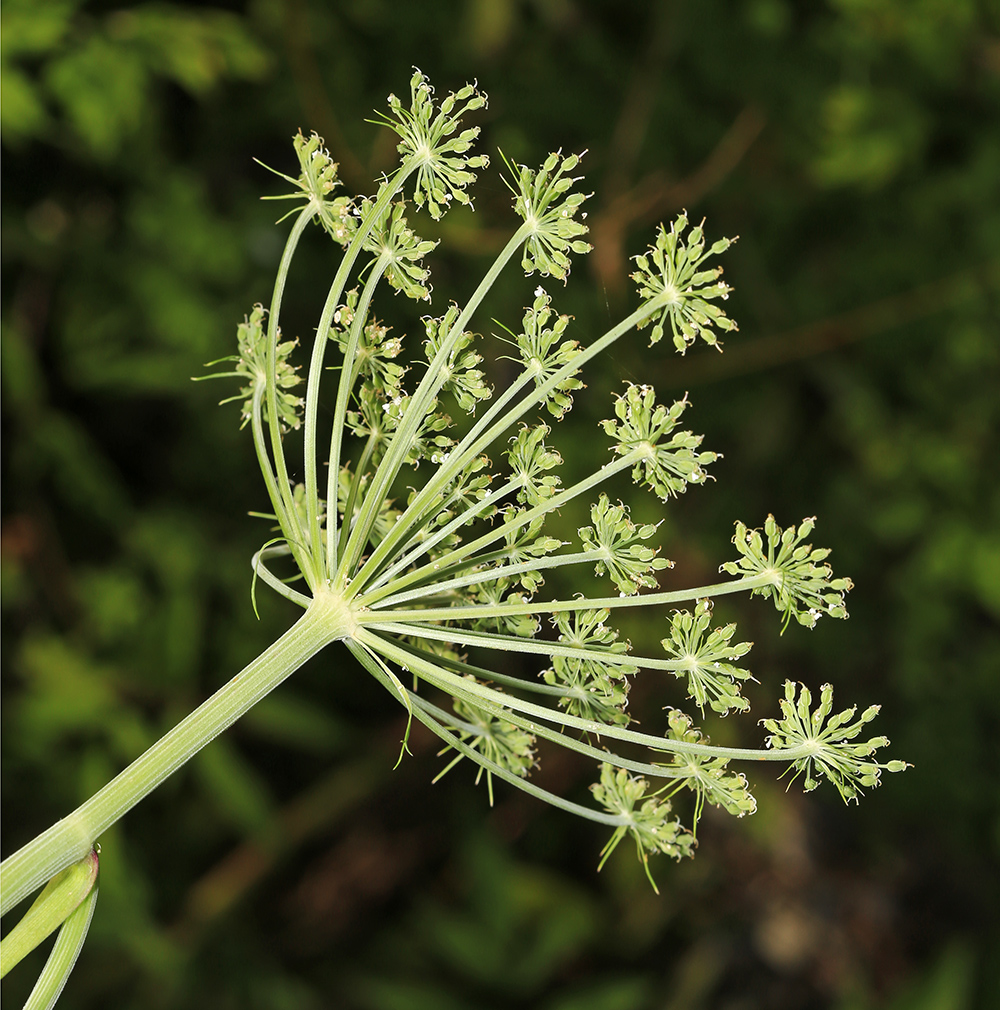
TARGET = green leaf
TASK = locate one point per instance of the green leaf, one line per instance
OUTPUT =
(58, 899)
(62, 957)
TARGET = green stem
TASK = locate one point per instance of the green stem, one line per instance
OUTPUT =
(528, 646)
(471, 445)
(451, 559)
(264, 459)
(352, 497)
(287, 511)
(70, 839)
(568, 742)
(389, 190)
(268, 577)
(482, 673)
(458, 458)
(491, 575)
(348, 376)
(478, 694)
(382, 585)
(434, 378)
(371, 618)
(419, 711)
(63, 956)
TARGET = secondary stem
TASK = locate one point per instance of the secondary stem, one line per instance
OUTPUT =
(464, 613)
(284, 506)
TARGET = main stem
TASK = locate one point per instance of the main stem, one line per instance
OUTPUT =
(69, 840)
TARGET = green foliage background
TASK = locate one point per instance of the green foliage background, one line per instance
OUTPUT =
(855, 147)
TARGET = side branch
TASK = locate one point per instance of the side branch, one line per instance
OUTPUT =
(373, 617)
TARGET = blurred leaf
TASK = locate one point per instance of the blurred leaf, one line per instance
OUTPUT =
(617, 994)
(237, 791)
(22, 113)
(102, 88)
(197, 48)
(869, 136)
(284, 718)
(69, 696)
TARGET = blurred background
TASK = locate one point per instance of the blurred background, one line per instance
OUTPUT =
(854, 146)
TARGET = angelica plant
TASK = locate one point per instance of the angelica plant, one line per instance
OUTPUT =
(420, 541)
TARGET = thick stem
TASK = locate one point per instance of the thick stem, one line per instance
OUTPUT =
(69, 840)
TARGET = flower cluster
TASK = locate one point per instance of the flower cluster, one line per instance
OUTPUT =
(595, 689)
(544, 352)
(530, 462)
(423, 593)
(827, 742)
(376, 351)
(801, 584)
(650, 824)
(666, 465)
(402, 250)
(704, 658)
(497, 740)
(439, 570)
(428, 136)
(251, 365)
(670, 283)
(616, 544)
(461, 376)
(706, 776)
(541, 199)
(524, 544)
(317, 181)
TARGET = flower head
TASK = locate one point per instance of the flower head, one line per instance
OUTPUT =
(541, 199)
(669, 279)
(428, 136)
(849, 766)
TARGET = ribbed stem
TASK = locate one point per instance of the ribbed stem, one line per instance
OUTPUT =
(69, 840)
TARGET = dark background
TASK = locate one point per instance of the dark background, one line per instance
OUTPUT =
(855, 147)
